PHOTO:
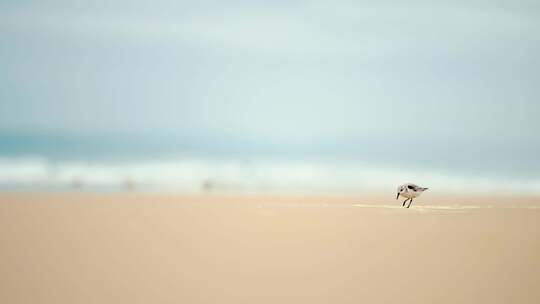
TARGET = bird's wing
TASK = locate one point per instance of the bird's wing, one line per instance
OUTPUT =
(414, 187)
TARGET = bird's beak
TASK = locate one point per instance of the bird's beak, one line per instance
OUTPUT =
(397, 195)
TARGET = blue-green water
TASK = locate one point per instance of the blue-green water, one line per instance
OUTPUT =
(183, 164)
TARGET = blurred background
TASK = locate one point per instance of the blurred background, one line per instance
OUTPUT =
(256, 97)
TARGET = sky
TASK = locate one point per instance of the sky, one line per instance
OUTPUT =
(448, 85)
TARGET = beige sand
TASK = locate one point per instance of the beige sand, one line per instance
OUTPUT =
(135, 248)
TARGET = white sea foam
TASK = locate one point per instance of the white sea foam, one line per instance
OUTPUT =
(444, 208)
(425, 208)
(196, 175)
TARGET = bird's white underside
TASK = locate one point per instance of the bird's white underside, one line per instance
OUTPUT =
(410, 194)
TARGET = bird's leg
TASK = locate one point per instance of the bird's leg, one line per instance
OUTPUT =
(409, 203)
(404, 202)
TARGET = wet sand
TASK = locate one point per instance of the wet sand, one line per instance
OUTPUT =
(149, 248)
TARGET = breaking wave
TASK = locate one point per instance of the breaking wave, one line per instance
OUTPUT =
(203, 175)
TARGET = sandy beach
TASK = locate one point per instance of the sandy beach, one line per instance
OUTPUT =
(150, 248)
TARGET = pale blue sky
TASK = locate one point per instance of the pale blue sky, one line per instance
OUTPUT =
(452, 86)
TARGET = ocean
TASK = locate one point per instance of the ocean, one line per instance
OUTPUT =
(69, 163)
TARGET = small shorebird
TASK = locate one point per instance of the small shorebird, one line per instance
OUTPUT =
(409, 191)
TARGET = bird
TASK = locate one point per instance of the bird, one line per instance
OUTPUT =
(409, 191)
